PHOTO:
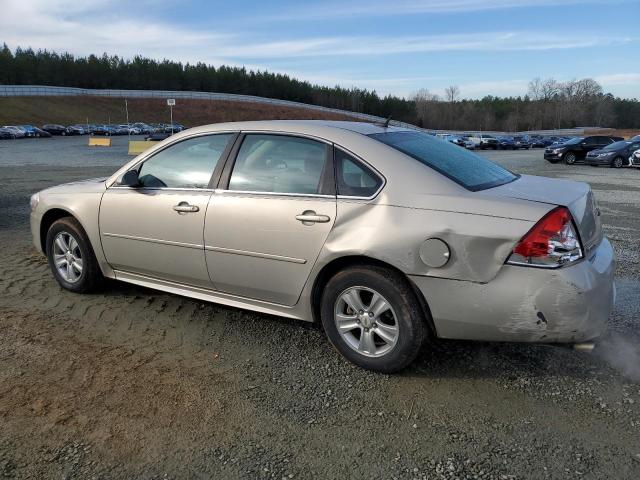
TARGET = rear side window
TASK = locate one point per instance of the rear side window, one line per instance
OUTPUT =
(279, 164)
(187, 164)
(353, 179)
(471, 171)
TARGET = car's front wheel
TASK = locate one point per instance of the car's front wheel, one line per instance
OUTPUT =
(71, 257)
(373, 318)
(570, 158)
(617, 162)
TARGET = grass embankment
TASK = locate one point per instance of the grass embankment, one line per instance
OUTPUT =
(72, 110)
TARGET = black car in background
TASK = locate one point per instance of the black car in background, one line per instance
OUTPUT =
(40, 133)
(577, 148)
(55, 129)
(615, 155)
(506, 143)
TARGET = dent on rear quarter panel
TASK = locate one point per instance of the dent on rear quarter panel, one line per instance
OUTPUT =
(479, 244)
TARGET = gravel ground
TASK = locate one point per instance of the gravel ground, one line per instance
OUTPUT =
(134, 383)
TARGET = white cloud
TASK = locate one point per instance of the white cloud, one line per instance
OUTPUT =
(379, 45)
(619, 79)
(371, 8)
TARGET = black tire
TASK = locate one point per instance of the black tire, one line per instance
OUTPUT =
(91, 277)
(569, 158)
(410, 317)
(617, 162)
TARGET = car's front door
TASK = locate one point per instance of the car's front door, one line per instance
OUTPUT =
(156, 228)
(269, 219)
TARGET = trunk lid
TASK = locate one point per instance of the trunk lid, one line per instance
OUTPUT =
(576, 196)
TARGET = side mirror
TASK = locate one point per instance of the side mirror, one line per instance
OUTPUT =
(130, 179)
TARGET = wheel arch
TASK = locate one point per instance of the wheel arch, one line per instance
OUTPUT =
(337, 264)
(50, 217)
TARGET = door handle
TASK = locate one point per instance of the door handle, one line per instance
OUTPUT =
(308, 217)
(184, 207)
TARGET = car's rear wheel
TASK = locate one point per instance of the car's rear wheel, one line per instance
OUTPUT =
(570, 158)
(71, 257)
(373, 318)
(617, 162)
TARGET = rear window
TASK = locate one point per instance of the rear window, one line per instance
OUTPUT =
(616, 145)
(471, 171)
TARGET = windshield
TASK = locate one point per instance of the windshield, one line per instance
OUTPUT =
(616, 145)
(574, 141)
(471, 171)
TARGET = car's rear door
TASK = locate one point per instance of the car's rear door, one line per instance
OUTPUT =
(270, 216)
(156, 229)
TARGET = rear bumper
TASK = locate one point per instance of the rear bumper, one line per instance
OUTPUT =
(525, 304)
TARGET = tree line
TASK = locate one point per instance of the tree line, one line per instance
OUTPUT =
(547, 104)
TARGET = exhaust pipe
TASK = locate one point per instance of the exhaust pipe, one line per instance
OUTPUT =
(586, 347)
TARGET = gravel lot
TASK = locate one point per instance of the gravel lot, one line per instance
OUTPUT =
(134, 383)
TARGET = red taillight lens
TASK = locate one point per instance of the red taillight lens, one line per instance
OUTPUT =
(552, 242)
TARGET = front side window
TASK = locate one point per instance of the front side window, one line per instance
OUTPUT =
(469, 170)
(353, 179)
(279, 164)
(187, 164)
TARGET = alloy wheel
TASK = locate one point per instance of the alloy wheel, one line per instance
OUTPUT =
(366, 321)
(67, 257)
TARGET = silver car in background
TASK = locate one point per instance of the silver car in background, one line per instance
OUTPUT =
(386, 236)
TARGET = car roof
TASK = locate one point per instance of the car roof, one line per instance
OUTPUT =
(302, 126)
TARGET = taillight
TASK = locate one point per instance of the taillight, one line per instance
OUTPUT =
(552, 242)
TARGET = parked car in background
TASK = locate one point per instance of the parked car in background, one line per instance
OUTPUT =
(41, 133)
(506, 143)
(131, 129)
(144, 128)
(536, 141)
(483, 141)
(17, 131)
(118, 129)
(614, 155)
(463, 248)
(577, 148)
(77, 130)
(468, 144)
(455, 139)
(29, 130)
(635, 139)
(104, 130)
(157, 136)
(55, 129)
(7, 134)
(522, 142)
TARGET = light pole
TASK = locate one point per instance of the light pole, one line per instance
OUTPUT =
(171, 102)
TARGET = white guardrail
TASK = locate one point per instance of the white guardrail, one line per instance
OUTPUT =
(49, 91)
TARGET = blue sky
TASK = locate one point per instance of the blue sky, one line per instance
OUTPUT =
(394, 46)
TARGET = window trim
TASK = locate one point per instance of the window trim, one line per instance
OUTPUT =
(367, 166)
(215, 175)
(327, 180)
